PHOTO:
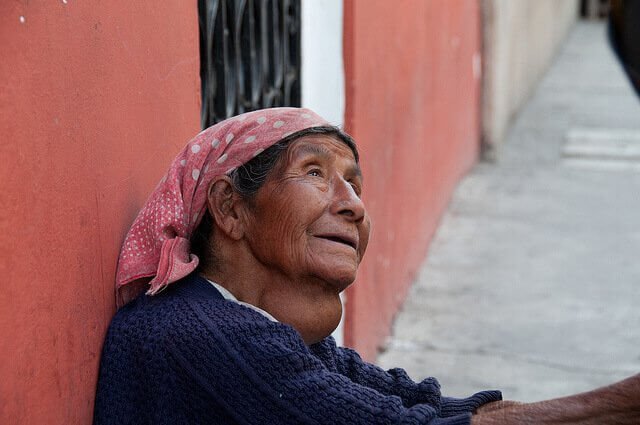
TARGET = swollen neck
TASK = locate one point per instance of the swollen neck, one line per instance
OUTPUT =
(311, 308)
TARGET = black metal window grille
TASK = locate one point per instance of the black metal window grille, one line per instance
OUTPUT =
(249, 56)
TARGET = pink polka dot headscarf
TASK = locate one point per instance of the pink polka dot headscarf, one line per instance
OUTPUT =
(157, 245)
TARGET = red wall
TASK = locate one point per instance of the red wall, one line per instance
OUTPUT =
(96, 97)
(412, 106)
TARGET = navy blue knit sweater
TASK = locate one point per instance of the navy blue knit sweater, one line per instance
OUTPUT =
(188, 356)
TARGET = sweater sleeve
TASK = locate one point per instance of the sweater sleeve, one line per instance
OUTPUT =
(258, 371)
(396, 382)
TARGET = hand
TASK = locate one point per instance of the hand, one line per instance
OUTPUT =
(614, 404)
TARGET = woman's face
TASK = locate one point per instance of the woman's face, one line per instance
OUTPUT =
(307, 220)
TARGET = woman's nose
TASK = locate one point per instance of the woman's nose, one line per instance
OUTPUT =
(347, 203)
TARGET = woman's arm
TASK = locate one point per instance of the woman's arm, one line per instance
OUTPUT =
(231, 363)
(614, 404)
(396, 382)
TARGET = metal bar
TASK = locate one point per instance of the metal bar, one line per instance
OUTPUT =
(250, 56)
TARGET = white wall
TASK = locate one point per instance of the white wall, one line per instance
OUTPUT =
(323, 69)
(322, 65)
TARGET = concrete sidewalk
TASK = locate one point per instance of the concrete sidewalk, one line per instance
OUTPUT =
(532, 284)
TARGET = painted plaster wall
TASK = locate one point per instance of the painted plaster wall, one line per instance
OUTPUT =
(322, 64)
(95, 100)
(412, 103)
(520, 38)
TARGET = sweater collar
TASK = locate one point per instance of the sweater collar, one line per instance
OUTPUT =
(195, 286)
(227, 295)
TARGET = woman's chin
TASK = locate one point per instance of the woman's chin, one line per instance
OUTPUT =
(337, 271)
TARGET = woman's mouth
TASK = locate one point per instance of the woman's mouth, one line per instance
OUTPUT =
(343, 239)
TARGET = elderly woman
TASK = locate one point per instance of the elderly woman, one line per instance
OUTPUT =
(245, 246)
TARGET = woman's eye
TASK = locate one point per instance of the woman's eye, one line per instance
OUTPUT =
(314, 172)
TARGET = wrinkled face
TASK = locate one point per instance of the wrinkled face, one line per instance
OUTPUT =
(308, 220)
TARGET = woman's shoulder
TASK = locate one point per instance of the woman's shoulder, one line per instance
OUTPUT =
(171, 306)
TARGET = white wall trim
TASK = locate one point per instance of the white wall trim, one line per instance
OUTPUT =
(322, 60)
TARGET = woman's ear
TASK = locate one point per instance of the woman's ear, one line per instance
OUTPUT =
(224, 205)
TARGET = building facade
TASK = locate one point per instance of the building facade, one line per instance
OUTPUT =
(96, 98)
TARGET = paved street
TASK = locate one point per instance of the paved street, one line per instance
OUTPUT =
(532, 284)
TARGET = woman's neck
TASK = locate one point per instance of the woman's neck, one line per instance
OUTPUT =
(310, 306)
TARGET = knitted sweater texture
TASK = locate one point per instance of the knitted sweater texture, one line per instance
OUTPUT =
(188, 356)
